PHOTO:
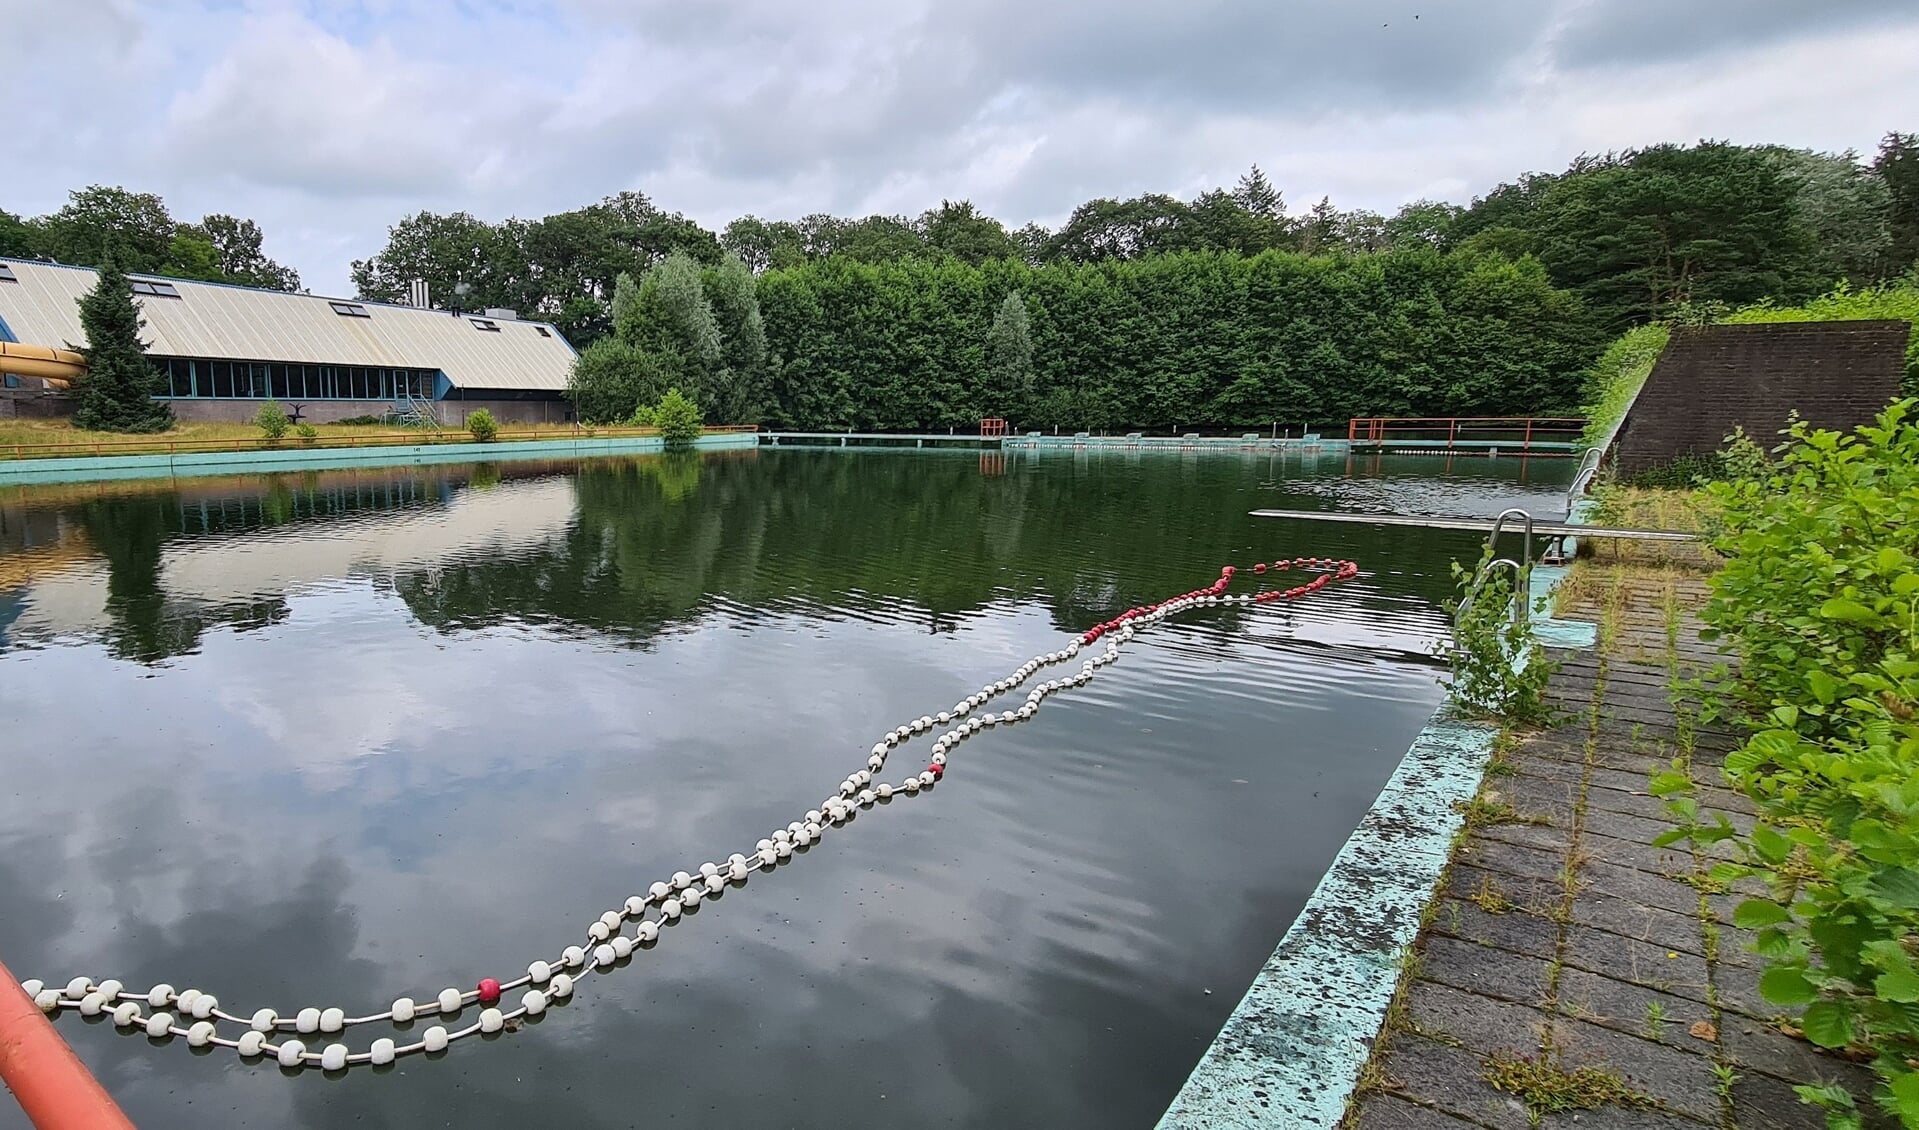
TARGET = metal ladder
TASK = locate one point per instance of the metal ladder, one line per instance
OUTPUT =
(1493, 564)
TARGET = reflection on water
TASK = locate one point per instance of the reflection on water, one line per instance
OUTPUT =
(339, 736)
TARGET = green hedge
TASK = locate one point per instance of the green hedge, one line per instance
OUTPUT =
(1172, 341)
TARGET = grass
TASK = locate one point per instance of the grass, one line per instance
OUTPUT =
(26, 439)
(1490, 897)
(1544, 1084)
(1688, 511)
(1486, 811)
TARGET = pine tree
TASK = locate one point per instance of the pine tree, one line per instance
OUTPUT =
(1257, 195)
(117, 393)
(1009, 356)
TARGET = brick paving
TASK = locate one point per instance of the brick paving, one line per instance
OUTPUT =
(1633, 967)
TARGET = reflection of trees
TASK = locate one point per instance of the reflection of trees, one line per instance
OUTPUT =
(128, 533)
(656, 537)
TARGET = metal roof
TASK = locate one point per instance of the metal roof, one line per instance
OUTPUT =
(244, 324)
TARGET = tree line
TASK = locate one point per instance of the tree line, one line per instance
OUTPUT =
(1225, 309)
(134, 229)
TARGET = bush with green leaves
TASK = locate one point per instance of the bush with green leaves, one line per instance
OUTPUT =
(484, 427)
(1819, 600)
(1497, 672)
(677, 417)
(307, 432)
(272, 420)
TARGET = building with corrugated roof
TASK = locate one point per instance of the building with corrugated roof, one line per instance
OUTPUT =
(225, 350)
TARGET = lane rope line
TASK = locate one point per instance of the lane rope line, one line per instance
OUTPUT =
(197, 1015)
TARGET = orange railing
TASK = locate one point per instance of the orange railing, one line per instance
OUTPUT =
(1523, 432)
(162, 446)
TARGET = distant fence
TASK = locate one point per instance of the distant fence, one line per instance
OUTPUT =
(1546, 434)
(160, 445)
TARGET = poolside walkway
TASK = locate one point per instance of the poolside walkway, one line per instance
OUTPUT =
(1571, 959)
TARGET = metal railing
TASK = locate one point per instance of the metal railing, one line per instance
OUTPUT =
(1523, 432)
(1583, 478)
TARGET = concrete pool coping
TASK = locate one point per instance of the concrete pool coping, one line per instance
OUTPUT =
(1290, 1055)
(89, 468)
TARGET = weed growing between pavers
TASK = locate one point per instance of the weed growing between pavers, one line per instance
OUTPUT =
(1544, 1084)
(1490, 897)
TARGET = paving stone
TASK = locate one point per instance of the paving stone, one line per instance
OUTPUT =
(1631, 827)
(1624, 781)
(1538, 896)
(1635, 853)
(1640, 886)
(1552, 799)
(1760, 1102)
(1635, 802)
(1619, 1118)
(1484, 969)
(1681, 1080)
(1540, 837)
(1512, 859)
(1449, 1079)
(1757, 1046)
(1623, 1006)
(1625, 959)
(1547, 770)
(1480, 1023)
(1738, 984)
(1649, 924)
(1390, 1112)
(1514, 930)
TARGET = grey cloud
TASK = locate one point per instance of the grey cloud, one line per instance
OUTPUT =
(1616, 32)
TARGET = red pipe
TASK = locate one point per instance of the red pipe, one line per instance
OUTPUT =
(52, 1085)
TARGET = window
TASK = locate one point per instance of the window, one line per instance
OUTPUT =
(541, 330)
(7, 275)
(350, 310)
(157, 289)
(486, 324)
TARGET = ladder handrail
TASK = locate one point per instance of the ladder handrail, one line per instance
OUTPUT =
(1484, 574)
(1499, 526)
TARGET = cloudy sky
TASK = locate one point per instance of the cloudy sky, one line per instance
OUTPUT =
(328, 121)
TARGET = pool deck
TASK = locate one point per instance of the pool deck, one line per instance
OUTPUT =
(1562, 934)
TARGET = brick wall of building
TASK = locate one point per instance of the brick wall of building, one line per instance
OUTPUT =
(1711, 379)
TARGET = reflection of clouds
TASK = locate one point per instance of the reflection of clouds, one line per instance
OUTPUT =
(217, 572)
(345, 806)
(516, 514)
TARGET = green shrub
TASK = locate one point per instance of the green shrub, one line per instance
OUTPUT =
(1496, 670)
(677, 417)
(644, 416)
(1819, 599)
(483, 426)
(307, 432)
(272, 420)
(361, 420)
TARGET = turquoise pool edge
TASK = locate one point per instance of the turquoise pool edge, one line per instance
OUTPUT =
(89, 468)
(1289, 1056)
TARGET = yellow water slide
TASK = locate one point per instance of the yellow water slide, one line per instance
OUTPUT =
(58, 367)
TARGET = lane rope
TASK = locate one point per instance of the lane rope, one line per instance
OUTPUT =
(197, 1015)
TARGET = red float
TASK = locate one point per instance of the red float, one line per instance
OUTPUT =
(489, 991)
